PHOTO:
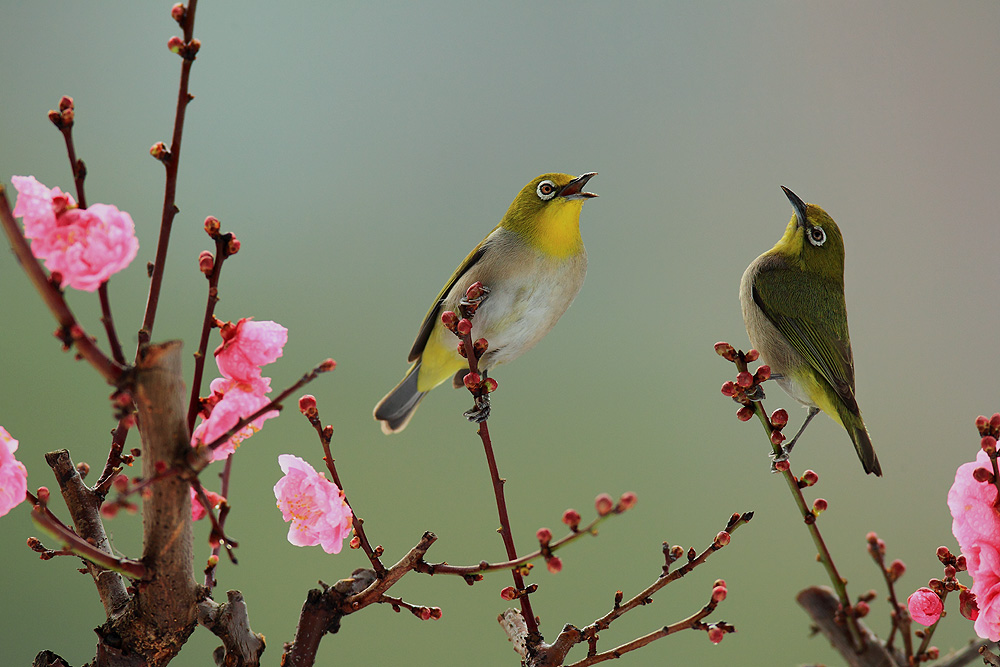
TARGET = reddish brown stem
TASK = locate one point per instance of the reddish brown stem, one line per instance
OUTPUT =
(206, 329)
(170, 188)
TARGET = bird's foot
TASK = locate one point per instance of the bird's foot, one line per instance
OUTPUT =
(481, 411)
(474, 297)
(777, 458)
(755, 393)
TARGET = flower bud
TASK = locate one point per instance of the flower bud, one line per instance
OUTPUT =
(744, 379)
(461, 350)
(464, 327)
(627, 501)
(897, 569)
(42, 494)
(933, 653)
(213, 560)
(809, 478)
(861, 609)
(472, 380)
(571, 518)
(175, 44)
(763, 374)
(722, 539)
(982, 475)
(65, 102)
(67, 116)
(982, 424)
(449, 319)
(436, 613)
(206, 262)
(943, 554)
(995, 424)
(544, 535)
(779, 418)
(715, 634)
(508, 593)
(604, 504)
(554, 564)
(925, 606)
(177, 12)
(989, 444)
(212, 226)
(752, 355)
(307, 404)
(777, 437)
(355, 542)
(424, 613)
(725, 350)
(480, 346)
(56, 118)
(490, 385)
(83, 468)
(871, 537)
(159, 151)
(719, 594)
(950, 571)
(233, 246)
(327, 365)
(745, 413)
(728, 388)
(967, 605)
(782, 466)
(476, 291)
(960, 564)
(109, 510)
(819, 505)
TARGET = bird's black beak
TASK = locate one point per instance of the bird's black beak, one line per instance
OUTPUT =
(797, 204)
(574, 189)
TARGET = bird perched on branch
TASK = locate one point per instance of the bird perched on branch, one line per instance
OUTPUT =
(794, 310)
(532, 264)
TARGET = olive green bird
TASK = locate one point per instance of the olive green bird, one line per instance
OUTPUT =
(796, 317)
(533, 264)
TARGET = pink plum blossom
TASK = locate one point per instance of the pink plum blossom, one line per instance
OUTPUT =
(976, 526)
(318, 512)
(84, 246)
(13, 474)
(248, 345)
(925, 606)
(197, 510)
(230, 402)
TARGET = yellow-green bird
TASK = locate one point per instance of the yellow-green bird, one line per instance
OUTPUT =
(533, 263)
(796, 317)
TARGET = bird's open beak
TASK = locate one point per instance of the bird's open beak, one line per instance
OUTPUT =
(797, 204)
(574, 189)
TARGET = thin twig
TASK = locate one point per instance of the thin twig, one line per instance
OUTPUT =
(208, 324)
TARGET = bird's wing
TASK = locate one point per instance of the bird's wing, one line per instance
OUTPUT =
(433, 315)
(790, 299)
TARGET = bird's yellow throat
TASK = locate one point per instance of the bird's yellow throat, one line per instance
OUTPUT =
(556, 229)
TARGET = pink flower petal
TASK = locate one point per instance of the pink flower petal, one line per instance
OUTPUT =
(248, 345)
(925, 606)
(13, 474)
(313, 504)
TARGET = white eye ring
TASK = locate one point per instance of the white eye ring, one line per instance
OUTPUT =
(816, 236)
(546, 190)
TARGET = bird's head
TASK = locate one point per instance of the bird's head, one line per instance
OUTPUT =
(812, 239)
(547, 212)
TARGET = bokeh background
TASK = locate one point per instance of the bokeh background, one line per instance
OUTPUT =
(359, 150)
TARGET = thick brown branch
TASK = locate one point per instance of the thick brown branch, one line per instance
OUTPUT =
(230, 622)
(824, 609)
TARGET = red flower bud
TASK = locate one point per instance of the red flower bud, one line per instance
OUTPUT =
(763, 374)
(65, 102)
(159, 151)
(744, 379)
(109, 510)
(472, 380)
(728, 388)
(120, 483)
(897, 569)
(627, 501)
(42, 494)
(871, 537)
(327, 365)
(490, 385)
(782, 466)
(212, 225)
(424, 613)
(604, 504)
(943, 554)
(355, 542)
(464, 327)
(960, 564)
(56, 118)
(982, 424)
(989, 444)
(480, 346)
(819, 505)
(554, 564)
(950, 571)
(436, 613)
(725, 350)
(476, 291)
(571, 518)
(233, 247)
(861, 609)
(722, 539)
(777, 437)
(933, 653)
(719, 594)
(715, 634)
(995, 424)
(175, 44)
(544, 535)
(461, 350)
(745, 413)
(809, 478)
(508, 593)
(752, 355)
(779, 418)
(206, 262)
(449, 319)
(307, 403)
(967, 605)
(177, 12)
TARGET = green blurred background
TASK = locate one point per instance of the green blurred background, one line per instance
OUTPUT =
(359, 150)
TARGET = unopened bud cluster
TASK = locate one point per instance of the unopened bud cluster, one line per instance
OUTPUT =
(186, 50)
(989, 431)
(746, 389)
(63, 118)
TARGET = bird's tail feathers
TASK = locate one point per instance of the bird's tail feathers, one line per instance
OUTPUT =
(398, 406)
(862, 442)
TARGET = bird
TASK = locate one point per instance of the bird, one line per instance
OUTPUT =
(533, 265)
(792, 298)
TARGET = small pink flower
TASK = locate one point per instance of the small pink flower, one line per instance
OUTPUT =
(197, 510)
(13, 474)
(976, 526)
(314, 505)
(925, 606)
(248, 345)
(84, 246)
(233, 401)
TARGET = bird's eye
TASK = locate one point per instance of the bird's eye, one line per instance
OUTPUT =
(546, 190)
(817, 236)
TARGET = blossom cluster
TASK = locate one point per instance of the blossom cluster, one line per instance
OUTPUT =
(81, 247)
(13, 474)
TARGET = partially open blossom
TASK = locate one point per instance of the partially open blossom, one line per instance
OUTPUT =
(248, 345)
(314, 505)
(13, 474)
(233, 401)
(976, 526)
(84, 246)
(197, 510)
(925, 606)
